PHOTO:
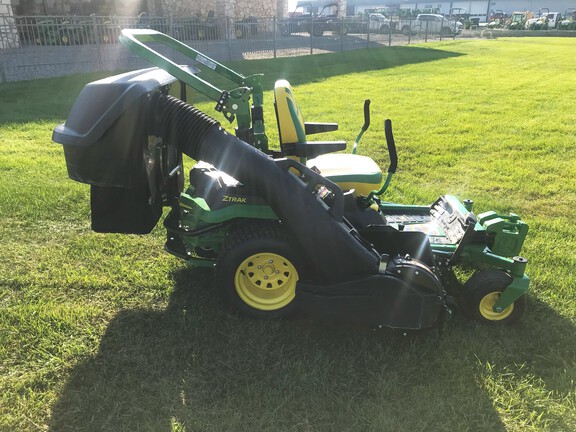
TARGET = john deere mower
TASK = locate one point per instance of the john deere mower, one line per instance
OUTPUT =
(304, 226)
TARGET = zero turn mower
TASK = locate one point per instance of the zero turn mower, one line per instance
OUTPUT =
(297, 227)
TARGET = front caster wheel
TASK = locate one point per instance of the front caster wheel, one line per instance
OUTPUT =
(257, 270)
(482, 291)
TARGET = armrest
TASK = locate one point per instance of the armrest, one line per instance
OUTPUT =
(312, 149)
(314, 128)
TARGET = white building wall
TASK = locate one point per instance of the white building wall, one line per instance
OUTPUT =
(480, 7)
(510, 6)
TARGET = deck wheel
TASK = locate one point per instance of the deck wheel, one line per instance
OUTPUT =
(483, 290)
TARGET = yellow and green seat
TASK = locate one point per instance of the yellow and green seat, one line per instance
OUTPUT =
(349, 171)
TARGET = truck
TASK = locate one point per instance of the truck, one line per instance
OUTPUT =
(544, 21)
(305, 20)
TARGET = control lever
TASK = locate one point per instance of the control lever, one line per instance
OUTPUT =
(365, 126)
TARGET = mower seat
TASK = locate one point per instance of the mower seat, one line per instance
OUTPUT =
(349, 171)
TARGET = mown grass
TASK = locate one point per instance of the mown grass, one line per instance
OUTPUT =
(108, 332)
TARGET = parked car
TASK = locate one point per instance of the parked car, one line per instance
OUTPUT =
(374, 22)
(379, 23)
(433, 24)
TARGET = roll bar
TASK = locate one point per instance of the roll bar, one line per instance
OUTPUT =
(234, 104)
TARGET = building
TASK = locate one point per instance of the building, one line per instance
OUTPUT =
(476, 8)
(236, 9)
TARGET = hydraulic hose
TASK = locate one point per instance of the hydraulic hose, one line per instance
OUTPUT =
(335, 252)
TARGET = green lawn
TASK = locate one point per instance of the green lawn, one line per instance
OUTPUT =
(110, 333)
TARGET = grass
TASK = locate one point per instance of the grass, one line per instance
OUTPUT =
(108, 332)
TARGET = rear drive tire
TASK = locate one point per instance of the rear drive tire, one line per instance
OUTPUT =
(257, 270)
(317, 31)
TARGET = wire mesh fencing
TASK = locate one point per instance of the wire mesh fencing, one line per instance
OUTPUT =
(45, 46)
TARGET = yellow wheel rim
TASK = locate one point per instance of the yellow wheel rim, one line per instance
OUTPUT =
(266, 281)
(488, 302)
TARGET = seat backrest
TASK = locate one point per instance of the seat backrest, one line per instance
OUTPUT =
(289, 117)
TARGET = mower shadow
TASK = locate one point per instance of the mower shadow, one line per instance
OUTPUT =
(198, 366)
(314, 68)
(20, 101)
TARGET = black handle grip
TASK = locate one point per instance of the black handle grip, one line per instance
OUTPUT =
(366, 115)
(391, 146)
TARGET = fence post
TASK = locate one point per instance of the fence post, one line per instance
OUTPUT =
(390, 34)
(441, 27)
(311, 33)
(274, 31)
(97, 40)
(228, 44)
(341, 34)
(367, 35)
(2, 73)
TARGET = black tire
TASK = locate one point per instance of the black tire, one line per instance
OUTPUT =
(257, 270)
(343, 30)
(385, 29)
(317, 31)
(406, 30)
(480, 293)
(446, 31)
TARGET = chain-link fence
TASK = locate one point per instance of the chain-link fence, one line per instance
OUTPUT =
(35, 47)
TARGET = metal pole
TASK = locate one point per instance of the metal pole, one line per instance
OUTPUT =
(275, 29)
(228, 44)
(367, 34)
(441, 28)
(311, 33)
(341, 34)
(96, 36)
